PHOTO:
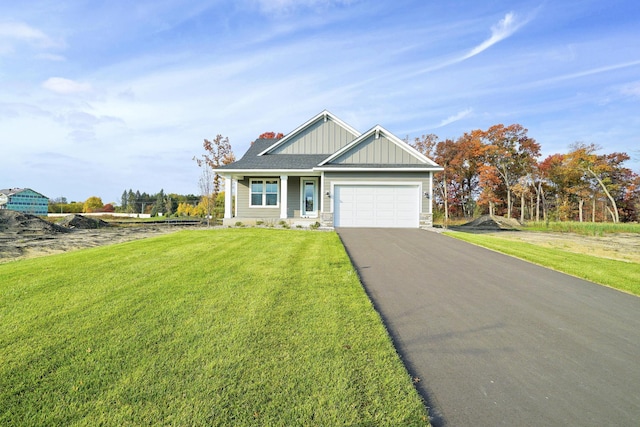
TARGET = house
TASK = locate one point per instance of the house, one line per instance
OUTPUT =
(24, 200)
(326, 171)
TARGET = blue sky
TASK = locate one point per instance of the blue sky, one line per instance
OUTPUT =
(101, 96)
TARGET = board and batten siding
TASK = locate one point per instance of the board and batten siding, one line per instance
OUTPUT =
(319, 138)
(377, 151)
(397, 178)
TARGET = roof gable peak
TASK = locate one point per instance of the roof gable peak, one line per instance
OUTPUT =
(376, 133)
(324, 115)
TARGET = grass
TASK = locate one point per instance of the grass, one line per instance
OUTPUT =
(584, 228)
(225, 327)
(616, 274)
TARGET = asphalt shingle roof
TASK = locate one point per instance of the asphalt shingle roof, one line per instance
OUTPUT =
(251, 160)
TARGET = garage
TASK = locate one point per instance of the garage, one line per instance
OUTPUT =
(379, 206)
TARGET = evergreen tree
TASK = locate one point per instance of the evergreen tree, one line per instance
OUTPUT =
(123, 201)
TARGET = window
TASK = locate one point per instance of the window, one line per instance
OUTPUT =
(264, 192)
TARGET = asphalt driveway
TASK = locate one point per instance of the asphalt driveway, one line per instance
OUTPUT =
(499, 341)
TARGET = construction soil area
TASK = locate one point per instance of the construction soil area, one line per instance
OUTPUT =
(26, 236)
(618, 246)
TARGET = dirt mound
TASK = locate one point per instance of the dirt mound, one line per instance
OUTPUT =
(80, 222)
(492, 222)
(12, 222)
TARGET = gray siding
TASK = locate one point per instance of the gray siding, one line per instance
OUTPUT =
(377, 151)
(319, 138)
(242, 201)
(391, 177)
(293, 201)
(293, 197)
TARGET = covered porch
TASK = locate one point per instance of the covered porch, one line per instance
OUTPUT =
(268, 198)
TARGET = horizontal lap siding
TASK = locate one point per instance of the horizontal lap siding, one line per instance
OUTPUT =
(387, 177)
(293, 200)
(244, 211)
(293, 197)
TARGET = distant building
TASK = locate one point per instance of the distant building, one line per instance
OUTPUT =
(24, 200)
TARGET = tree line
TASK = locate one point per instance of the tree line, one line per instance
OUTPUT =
(499, 171)
(161, 203)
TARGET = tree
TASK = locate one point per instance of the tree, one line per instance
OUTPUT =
(443, 153)
(602, 169)
(217, 152)
(131, 202)
(512, 153)
(159, 204)
(465, 166)
(123, 201)
(92, 204)
(206, 190)
(271, 135)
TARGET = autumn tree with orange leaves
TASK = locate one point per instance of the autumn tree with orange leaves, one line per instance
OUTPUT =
(217, 153)
(491, 169)
(271, 135)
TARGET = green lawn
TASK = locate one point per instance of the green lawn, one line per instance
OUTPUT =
(616, 274)
(242, 327)
(584, 228)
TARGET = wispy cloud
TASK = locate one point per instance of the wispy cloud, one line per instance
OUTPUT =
(23, 32)
(586, 73)
(504, 29)
(51, 57)
(454, 118)
(65, 86)
(631, 89)
(279, 7)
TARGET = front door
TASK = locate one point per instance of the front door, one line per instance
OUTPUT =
(309, 198)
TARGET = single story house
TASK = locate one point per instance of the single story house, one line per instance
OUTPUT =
(24, 200)
(326, 171)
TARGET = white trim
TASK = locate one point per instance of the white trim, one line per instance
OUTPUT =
(324, 115)
(274, 172)
(317, 197)
(430, 193)
(284, 192)
(376, 131)
(379, 183)
(264, 193)
(322, 191)
(334, 169)
(228, 196)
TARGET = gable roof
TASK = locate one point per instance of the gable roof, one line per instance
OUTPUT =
(252, 160)
(322, 116)
(359, 152)
(14, 191)
(377, 149)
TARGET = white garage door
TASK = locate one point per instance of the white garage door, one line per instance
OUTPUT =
(376, 206)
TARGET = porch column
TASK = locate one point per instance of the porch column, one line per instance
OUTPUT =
(228, 197)
(284, 184)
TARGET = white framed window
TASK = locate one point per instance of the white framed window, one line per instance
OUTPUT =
(264, 193)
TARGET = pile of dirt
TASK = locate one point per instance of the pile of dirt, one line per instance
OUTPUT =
(80, 222)
(492, 222)
(12, 223)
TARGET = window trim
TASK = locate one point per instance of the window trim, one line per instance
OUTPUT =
(264, 193)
